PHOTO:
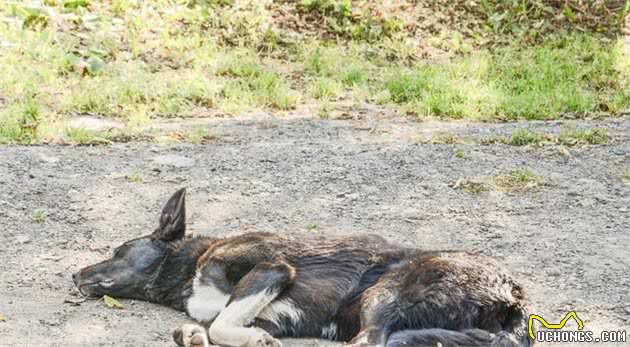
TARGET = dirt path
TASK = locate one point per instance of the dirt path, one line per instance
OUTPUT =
(64, 207)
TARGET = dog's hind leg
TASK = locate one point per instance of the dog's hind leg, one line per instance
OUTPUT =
(379, 307)
(252, 294)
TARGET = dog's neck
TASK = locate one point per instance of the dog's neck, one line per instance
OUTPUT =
(172, 284)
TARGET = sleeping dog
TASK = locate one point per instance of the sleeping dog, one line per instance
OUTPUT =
(251, 289)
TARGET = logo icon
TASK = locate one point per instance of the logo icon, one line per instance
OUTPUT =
(533, 317)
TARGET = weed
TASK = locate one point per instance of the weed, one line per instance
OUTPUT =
(199, 135)
(267, 90)
(575, 136)
(460, 154)
(134, 177)
(324, 110)
(82, 136)
(524, 137)
(38, 217)
(518, 180)
(312, 227)
(625, 176)
(445, 138)
(353, 76)
(325, 88)
(428, 92)
(473, 187)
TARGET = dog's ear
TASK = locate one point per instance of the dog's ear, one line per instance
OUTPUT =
(173, 219)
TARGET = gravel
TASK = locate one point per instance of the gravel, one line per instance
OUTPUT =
(63, 207)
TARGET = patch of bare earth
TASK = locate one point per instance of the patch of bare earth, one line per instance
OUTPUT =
(63, 207)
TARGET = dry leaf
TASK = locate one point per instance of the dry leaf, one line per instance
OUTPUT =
(111, 302)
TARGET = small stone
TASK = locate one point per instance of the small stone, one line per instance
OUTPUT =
(553, 273)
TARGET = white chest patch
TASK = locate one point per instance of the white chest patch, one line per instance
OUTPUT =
(206, 302)
(281, 309)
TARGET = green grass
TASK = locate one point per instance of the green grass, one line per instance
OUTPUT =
(524, 137)
(575, 136)
(625, 176)
(134, 177)
(445, 138)
(312, 227)
(518, 180)
(199, 135)
(138, 61)
(81, 136)
(569, 136)
(577, 75)
(325, 88)
(38, 217)
(474, 187)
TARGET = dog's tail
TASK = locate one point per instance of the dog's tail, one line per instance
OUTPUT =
(513, 335)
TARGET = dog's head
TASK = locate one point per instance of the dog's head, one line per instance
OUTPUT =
(136, 262)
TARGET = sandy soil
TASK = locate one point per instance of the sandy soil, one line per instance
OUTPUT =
(62, 208)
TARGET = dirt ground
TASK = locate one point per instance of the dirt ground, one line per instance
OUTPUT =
(63, 207)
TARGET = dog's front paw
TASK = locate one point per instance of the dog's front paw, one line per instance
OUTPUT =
(191, 335)
(263, 339)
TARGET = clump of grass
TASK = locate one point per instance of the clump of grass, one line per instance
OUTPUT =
(324, 110)
(266, 90)
(575, 136)
(445, 138)
(518, 180)
(134, 177)
(355, 75)
(460, 154)
(325, 88)
(524, 137)
(82, 136)
(239, 66)
(474, 187)
(625, 176)
(312, 227)
(428, 92)
(199, 135)
(21, 122)
(38, 217)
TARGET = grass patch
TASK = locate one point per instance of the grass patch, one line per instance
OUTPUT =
(325, 88)
(474, 187)
(569, 136)
(138, 61)
(524, 137)
(312, 227)
(577, 75)
(518, 180)
(199, 135)
(134, 177)
(38, 217)
(575, 136)
(445, 138)
(266, 90)
(625, 176)
(80, 136)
